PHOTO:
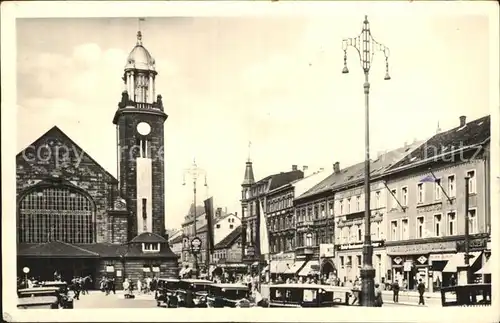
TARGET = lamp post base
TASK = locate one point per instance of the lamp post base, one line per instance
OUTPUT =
(367, 274)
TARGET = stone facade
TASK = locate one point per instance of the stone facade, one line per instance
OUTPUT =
(54, 156)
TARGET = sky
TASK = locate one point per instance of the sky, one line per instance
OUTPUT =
(275, 81)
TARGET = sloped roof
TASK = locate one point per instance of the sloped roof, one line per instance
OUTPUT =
(336, 179)
(230, 239)
(177, 239)
(281, 179)
(148, 237)
(473, 133)
(56, 249)
(356, 172)
(57, 132)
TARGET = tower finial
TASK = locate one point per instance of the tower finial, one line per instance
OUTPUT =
(249, 146)
(438, 129)
(139, 33)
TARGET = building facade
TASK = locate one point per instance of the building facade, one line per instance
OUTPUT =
(254, 201)
(227, 256)
(280, 217)
(75, 218)
(223, 224)
(426, 210)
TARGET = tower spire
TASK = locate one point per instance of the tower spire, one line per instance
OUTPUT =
(249, 177)
(249, 151)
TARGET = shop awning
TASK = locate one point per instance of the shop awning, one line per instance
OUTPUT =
(310, 268)
(486, 269)
(295, 267)
(279, 266)
(458, 261)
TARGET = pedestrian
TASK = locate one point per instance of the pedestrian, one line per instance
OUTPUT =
(395, 291)
(126, 286)
(139, 285)
(421, 290)
(76, 288)
(378, 296)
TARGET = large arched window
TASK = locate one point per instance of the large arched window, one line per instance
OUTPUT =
(56, 213)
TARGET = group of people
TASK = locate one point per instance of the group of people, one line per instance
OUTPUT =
(143, 286)
(396, 287)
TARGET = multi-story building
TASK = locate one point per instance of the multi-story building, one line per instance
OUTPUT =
(426, 207)
(254, 194)
(280, 217)
(349, 211)
(227, 256)
(223, 225)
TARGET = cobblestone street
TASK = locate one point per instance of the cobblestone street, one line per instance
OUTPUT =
(98, 299)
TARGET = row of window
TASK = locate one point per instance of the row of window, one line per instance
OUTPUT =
(281, 223)
(438, 188)
(280, 203)
(442, 226)
(355, 233)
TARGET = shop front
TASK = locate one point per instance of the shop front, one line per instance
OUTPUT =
(282, 265)
(349, 260)
(425, 261)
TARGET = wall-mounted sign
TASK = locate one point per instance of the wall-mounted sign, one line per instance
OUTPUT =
(118, 273)
(146, 269)
(424, 248)
(407, 266)
(441, 256)
(196, 245)
(351, 246)
(422, 259)
(156, 269)
(398, 260)
(110, 269)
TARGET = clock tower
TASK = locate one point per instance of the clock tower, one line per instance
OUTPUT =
(139, 122)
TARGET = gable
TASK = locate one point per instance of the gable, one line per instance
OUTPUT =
(54, 153)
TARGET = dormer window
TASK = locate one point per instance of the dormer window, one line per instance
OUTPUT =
(150, 247)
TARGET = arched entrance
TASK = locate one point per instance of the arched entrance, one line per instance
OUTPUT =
(327, 267)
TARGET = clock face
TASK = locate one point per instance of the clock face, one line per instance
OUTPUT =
(143, 128)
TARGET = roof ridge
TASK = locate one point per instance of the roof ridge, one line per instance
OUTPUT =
(77, 247)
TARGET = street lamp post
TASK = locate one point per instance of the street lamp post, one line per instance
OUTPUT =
(194, 172)
(366, 47)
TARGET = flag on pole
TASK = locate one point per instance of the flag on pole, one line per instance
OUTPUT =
(264, 240)
(209, 210)
(428, 179)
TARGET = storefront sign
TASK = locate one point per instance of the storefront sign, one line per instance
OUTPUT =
(407, 266)
(359, 245)
(422, 259)
(110, 269)
(481, 243)
(118, 273)
(285, 256)
(156, 269)
(398, 260)
(424, 248)
(429, 208)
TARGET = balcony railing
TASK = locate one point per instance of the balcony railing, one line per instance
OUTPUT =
(305, 250)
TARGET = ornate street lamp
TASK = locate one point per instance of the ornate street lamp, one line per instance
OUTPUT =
(366, 47)
(195, 172)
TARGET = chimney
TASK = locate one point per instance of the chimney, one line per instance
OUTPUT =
(218, 212)
(462, 121)
(304, 168)
(336, 168)
(225, 210)
(294, 167)
(236, 214)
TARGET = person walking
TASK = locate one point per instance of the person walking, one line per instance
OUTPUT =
(395, 291)
(378, 296)
(139, 286)
(421, 290)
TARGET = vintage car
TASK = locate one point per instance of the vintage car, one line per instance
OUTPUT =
(65, 300)
(167, 291)
(466, 295)
(308, 295)
(193, 292)
(227, 295)
(38, 302)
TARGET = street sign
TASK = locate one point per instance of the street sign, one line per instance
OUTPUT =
(195, 245)
(26, 270)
